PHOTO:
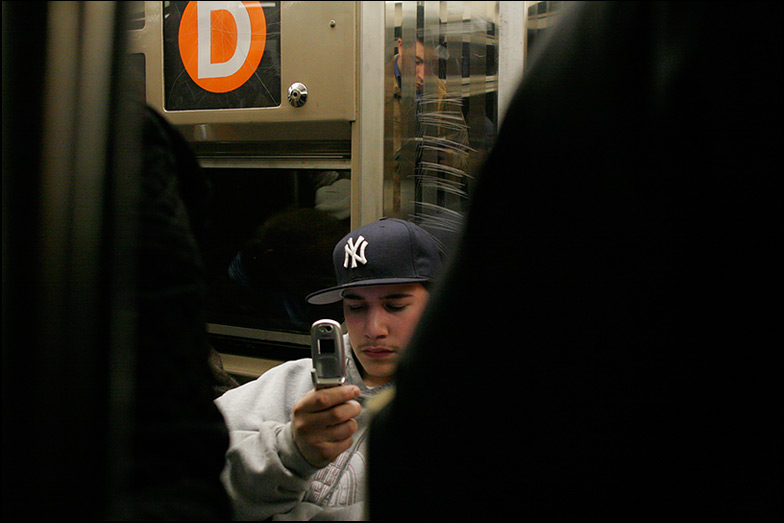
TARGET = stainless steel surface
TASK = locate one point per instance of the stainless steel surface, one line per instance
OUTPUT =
(297, 94)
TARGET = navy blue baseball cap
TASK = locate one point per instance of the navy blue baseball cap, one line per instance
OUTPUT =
(389, 251)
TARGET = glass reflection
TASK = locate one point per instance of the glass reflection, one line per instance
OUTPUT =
(440, 108)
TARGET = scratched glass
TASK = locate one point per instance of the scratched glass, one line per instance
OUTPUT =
(440, 108)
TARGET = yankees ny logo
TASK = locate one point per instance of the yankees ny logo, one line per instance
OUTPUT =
(351, 252)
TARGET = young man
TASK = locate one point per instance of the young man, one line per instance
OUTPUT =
(299, 453)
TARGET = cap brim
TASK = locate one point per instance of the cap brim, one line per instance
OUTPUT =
(333, 294)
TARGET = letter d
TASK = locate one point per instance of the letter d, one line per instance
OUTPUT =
(206, 68)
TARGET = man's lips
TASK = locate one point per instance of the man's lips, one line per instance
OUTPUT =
(378, 352)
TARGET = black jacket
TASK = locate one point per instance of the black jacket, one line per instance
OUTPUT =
(607, 341)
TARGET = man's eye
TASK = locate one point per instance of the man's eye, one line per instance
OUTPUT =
(396, 307)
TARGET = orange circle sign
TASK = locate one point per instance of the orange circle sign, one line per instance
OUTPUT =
(221, 43)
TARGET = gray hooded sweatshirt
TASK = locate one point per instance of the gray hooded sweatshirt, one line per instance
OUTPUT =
(265, 474)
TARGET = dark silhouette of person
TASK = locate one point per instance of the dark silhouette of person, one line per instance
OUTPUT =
(606, 343)
(179, 436)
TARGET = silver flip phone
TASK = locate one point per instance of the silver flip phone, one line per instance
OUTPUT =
(328, 353)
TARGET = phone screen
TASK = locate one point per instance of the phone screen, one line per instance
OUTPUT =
(327, 346)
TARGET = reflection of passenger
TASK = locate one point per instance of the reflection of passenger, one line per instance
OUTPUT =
(287, 259)
(419, 67)
(333, 193)
(429, 140)
(297, 453)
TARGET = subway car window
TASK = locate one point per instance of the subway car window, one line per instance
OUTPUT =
(440, 108)
(270, 244)
(540, 17)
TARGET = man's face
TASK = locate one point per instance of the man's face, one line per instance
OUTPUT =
(381, 320)
(420, 66)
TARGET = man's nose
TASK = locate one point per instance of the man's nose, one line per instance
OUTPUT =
(376, 326)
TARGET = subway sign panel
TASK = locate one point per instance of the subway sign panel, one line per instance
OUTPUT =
(221, 55)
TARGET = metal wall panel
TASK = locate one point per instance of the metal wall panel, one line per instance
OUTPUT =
(317, 48)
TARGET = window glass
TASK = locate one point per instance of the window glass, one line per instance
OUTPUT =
(270, 244)
(541, 16)
(440, 108)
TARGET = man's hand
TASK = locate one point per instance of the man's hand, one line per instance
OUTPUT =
(323, 422)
